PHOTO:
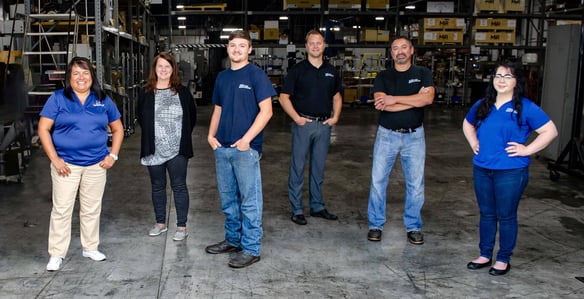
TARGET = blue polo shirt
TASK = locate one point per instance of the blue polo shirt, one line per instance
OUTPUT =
(80, 131)
(239, 92)
(501, 127)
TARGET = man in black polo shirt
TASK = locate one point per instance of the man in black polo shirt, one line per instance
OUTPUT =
(311, 92)
(401, 93)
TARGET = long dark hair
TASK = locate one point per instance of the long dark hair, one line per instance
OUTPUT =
(175, 83)
(83, 63)
(485, 107)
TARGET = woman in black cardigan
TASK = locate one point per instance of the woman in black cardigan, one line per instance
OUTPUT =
(167, 116)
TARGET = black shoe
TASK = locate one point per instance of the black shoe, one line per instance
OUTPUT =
(374, 235)
(497, 272)
(299, 219)
(242, 259)
(221, 247)
(415, 237)
(476, 266)
(324, 214)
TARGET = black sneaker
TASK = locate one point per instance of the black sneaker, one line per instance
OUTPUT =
(242, 259)
(415, 237)
(374, 235)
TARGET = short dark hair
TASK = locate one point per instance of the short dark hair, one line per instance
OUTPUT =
(85, 64)
(240, 34)
(404, 38)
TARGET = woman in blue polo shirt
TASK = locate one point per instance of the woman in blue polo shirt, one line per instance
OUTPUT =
(79, 116)
(500, 124)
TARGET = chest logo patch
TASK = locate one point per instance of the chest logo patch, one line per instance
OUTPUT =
(414, 81)
(244, 86)
(329, 75)
(98, 104)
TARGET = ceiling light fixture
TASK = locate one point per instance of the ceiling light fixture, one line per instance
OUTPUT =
(180, 6)
(181, 18)
(230, 29)
(410, 6)
(182, 27)
(283, 18)
(379, 18)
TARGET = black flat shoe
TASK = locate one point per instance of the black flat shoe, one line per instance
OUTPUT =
(324, 214)
(497, 272)
(299, 219)
(476, 266)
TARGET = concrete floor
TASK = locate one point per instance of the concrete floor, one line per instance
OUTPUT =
(324, 259)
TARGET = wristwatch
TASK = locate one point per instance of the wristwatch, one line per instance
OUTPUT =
(114, 156)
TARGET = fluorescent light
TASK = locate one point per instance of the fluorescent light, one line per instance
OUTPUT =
(356, 27)
(180, 6)
(410, 7)
(181, 18)
(224, 37)
(379, 18)
(230, 29)
(283, 18)
(182, 27)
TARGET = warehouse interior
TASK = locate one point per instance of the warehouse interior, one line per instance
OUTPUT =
(459, 41)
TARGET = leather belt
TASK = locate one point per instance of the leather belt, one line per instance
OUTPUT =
(315, 118)
(403, 130)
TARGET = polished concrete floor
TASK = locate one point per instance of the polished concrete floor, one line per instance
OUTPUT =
(324, 259)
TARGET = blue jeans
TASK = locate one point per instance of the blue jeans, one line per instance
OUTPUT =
(411, 148)
(312, 138)
(240, 188)
(177, 171)
(498, 193)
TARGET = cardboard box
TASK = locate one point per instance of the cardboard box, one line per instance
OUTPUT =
(271, 24)
(377, 4)
(353, 4)
(15, 56)
(442, 37)
(444, 23)
(494, 37)
(495, 24)
(440, 6)
(271, 34)
(301, 4)
(350, 95)
(488, 5)
(374, 35)
(514, 5)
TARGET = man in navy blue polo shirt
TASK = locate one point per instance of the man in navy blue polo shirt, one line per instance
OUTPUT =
(311, 96)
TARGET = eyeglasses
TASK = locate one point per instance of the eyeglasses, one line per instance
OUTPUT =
(506, 77)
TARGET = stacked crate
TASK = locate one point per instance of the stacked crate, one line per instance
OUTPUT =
(344, 4)
(443, 31)
(292, 4)
(372, 35)
(494, 31)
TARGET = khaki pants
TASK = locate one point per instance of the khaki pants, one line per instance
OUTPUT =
(90, 181)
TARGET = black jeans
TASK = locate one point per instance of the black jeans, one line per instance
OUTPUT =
(177, 171)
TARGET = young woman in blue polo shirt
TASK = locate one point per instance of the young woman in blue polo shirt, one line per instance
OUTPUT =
(79, 116)
(497, 128)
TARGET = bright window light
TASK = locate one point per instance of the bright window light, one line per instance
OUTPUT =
(181, 18)
(379, 18)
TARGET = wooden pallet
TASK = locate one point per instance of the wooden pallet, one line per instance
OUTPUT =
(205, 7)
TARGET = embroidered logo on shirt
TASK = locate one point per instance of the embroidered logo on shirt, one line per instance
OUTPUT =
(509, 110)
(98, 104)
(329, 75)
(414, 81)
(244, 86)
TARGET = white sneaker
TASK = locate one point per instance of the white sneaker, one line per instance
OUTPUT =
(94, 255)
(180, 235)
(54, 264)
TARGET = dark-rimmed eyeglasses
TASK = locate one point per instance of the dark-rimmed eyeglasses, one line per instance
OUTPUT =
(506, 77)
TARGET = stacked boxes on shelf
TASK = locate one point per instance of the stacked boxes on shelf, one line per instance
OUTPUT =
(377, 4)
(271, 30)
(443, 31)
(514, 6)
(291, 4)
(500, 6)
(494, 31)
(374, 36)
(344, 4)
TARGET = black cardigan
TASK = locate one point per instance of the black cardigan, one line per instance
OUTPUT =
(145, 115)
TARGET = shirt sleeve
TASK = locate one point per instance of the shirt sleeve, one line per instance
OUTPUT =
(427, 79)
(534, 115)
(264, 88)
(113, 113)
(338, 83)
(470, 116)
(216, 99)
(290, 81)
(51, 108)
(378, 84)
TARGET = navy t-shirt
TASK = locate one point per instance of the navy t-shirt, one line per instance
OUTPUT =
(311, 89)
(406, 83)
(239, 92)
